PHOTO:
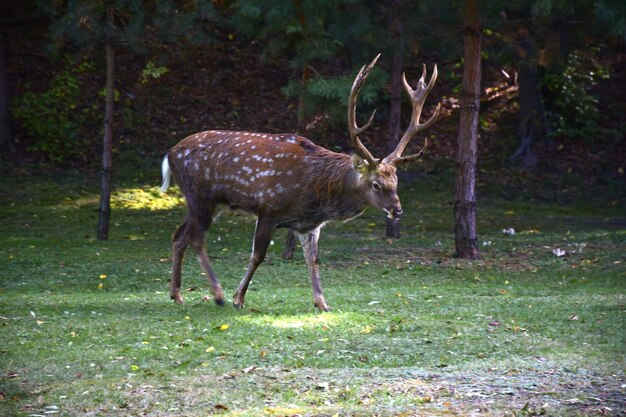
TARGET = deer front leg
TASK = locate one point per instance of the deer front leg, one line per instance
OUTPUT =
(308, 241)
(203, 258)
(262, 239)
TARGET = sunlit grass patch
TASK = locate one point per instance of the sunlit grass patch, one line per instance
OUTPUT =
(146, 198)
(297, 321)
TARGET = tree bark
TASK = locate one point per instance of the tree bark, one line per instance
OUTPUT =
(107, 140)
(6, 131)
(465, 235)
(395, 112)
(531, 116)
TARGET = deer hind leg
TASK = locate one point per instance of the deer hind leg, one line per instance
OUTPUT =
(262, 239)
(308, 241)
(180, 241)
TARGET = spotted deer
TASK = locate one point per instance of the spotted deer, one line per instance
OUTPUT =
(288, 182)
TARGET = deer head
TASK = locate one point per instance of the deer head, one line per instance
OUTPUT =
(380, 175)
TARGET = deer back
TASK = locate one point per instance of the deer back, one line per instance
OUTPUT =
(283, 175)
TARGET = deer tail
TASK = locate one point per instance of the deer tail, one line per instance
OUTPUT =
(166, 172)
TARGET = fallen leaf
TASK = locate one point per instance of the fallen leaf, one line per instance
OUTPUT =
(249, 369)
(223, 327)
(573, 317)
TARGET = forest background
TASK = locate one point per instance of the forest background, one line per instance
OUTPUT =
(552, 108)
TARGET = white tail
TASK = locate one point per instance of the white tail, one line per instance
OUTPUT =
(166, 173)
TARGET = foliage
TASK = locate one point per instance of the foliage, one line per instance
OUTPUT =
(141, 27)
(152, 71)
(88, 328)
(573, 109)
(314, 36)
(55, 119)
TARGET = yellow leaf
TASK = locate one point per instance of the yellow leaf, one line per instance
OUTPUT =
(187, 318)
(367, 329)
(223, 327)
(282, 411)
(209, 349)
(103, 276)
(134, 368)
(100, 286)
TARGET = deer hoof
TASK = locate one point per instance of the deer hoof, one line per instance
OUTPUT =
(323, 308)
(219, 302)
(178, 299)
(238, 306)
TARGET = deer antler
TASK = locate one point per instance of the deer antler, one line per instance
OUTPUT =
(355, 131)
(417, 97)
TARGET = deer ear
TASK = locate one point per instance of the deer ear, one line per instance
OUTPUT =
(359, 164)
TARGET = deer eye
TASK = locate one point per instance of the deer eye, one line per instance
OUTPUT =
(376, 187)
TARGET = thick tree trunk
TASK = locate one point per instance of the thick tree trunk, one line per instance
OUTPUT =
(6, 132)
(465, 235)
(395, 112)
(107, 140)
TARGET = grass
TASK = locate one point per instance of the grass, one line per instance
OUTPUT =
(87, 327)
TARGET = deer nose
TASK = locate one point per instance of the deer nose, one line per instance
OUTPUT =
(397, 213)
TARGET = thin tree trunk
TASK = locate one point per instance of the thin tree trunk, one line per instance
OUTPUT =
(395, 112)
(6, 132)
(531, 114)
(290, 239)
(465, 235)
(107, 140)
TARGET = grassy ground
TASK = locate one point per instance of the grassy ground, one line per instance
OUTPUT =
(87, 327)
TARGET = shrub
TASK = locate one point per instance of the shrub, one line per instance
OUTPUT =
(53, 121)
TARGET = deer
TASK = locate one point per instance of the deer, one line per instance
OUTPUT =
(287, 182)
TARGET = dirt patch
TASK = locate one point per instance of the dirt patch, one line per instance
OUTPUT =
(398, 392)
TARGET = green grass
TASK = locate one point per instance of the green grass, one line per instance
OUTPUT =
(87, 327)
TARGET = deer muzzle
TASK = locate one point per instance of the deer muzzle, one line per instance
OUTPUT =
(394, 213)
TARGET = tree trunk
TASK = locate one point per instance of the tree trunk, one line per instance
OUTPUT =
(6, 132)
(465, 235)
(395, 112)
(107, 140)
(531, 116)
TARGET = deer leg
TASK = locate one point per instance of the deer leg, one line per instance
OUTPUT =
(180, 242)
(262, 238)
(308, 241)
(197, 242)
